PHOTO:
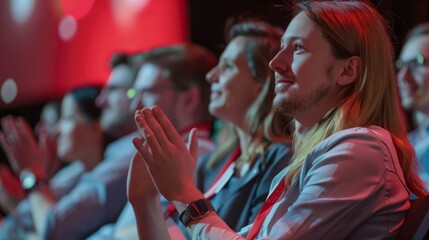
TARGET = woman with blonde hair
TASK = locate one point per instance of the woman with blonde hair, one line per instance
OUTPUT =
(236, 176)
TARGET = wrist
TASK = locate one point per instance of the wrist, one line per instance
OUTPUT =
(31, 180)
(195, 211)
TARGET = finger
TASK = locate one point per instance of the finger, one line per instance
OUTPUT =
(25, 131)
(137, 119)
(193, 144)
(154, 134)
(133, 172)
(8, 125)
(142, 148)
(3, 142)
(135, 166)
(167, 127)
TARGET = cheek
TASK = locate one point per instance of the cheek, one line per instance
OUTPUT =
(120, 102)
(150, 100)
(425, 80)
(70, 136)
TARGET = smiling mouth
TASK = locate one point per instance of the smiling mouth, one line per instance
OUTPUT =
(214, 94)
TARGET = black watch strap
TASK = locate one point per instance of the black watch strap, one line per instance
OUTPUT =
(196, 210)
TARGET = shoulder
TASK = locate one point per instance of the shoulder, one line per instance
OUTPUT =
(361, 149)
(358, 137)
(279, 150)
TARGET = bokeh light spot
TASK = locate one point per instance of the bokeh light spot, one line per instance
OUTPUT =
(21, 10)
(67, 28)
(124, 11)
(9, 91)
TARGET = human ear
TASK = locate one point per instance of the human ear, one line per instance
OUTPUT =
(350, 71)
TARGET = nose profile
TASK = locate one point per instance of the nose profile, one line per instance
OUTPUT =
(278, 63)
(212, 75)
(100, 101)
(405, 75)
(135, 104)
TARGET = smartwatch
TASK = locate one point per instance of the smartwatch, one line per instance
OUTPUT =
(196, 210)
(29, 181)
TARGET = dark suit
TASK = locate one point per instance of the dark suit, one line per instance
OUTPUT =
(240, 199)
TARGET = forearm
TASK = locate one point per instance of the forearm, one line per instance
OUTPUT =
(210, 226)
(150, 220)
(41, 201)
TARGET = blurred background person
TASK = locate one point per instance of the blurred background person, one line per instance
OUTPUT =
(80, 142)
(413, 84)
(11, 192)
(99, 195)
(258, 139)
(173, 78)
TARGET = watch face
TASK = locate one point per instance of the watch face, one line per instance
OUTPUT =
(28, 180)
(197, 209)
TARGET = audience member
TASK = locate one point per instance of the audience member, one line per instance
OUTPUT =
(236, 177)
(11, 192)
(351, 172)
(173, 78)
(413, 82)
(99, 195)
(79, 139)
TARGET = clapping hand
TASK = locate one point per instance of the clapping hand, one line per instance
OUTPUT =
(170, 162)
(21, 147)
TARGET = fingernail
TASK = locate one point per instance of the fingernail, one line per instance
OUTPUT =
(146, 113)
(156, 109)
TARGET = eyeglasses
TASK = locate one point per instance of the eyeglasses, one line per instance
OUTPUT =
(412, 64)
(133, 93)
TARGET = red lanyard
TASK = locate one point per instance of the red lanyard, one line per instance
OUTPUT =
(221, 179)
(266, 208)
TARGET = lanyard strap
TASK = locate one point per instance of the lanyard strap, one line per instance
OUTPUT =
(221, 179)
(266, 208)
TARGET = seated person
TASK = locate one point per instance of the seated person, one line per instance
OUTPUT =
(80, 141)
(413, 84)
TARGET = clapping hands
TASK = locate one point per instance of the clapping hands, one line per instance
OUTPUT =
(167, 159)
(22, 149)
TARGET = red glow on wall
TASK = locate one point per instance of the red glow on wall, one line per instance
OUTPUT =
(76, 8)
(45, 66)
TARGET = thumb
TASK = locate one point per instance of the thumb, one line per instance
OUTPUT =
(193, 144)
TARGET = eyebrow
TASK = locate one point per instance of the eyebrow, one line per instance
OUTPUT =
(291, 38)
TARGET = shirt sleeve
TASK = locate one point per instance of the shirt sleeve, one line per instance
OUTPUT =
(97, 199)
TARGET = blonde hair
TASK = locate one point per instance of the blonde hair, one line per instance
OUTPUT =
(264, 124)
(357, 29)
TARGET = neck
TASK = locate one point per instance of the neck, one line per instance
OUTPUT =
(91, 158)
(307, 119)
(243, 139)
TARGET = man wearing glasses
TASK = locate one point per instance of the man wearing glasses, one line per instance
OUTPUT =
(173, 78)
(413, 82)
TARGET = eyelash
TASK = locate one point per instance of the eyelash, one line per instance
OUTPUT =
(298, 47)
(226, 66)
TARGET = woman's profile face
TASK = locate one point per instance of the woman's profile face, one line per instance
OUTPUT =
(233, 87)
(75, 133)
